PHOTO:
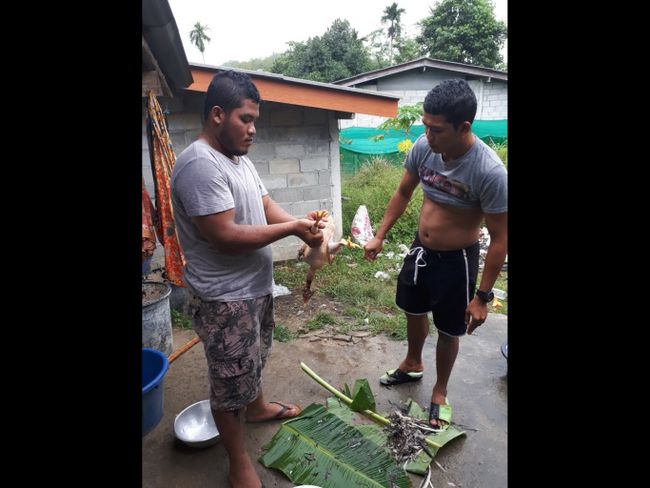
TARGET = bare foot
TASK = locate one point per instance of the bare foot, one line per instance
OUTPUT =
(440, 399)
(408, 367)
(272, 411)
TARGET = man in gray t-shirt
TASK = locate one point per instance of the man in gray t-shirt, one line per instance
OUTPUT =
(226, 223)
(464, 182)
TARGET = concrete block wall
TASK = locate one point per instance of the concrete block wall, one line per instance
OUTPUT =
(295, 152)
(492, 98)
(494, 101)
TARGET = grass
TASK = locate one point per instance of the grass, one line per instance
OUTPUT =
(283, 334)
(321, 320)
(180, 320)
(368, 302)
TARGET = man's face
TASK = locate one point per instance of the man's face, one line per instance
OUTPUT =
(238, 130)
(441, 134)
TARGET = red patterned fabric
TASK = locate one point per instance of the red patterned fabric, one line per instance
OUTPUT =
(148, 232)
(163, 159)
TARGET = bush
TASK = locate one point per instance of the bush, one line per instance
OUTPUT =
(502, 151)
(373, 186)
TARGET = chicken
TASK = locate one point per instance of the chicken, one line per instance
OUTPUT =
(317, 256)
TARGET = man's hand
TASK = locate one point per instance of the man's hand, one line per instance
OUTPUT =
(304, 230)
(475, 314)
(372, 248)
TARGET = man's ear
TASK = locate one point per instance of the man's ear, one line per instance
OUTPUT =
(217, 114)
(465, 127)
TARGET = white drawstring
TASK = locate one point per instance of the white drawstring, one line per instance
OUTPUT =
(417, 259)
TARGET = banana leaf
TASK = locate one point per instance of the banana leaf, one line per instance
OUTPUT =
(440, 438)
(362, 397)
(318, 447)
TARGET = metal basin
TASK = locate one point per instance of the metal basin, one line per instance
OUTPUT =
(195, 425)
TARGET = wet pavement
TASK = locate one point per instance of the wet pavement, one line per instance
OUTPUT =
(478, 392)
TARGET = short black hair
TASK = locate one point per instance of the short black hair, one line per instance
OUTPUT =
(229, 89)
(454, 99)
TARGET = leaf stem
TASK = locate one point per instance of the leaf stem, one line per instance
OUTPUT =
(348, 401)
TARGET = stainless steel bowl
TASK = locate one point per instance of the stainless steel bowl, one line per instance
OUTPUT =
(195, 425)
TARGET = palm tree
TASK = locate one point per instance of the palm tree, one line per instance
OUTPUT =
(392, 14)
(198, 36)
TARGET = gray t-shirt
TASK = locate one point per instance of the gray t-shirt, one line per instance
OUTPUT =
(478, 179)
(205, 182)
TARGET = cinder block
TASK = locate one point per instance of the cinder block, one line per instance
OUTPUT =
(284, 166)
(290, 150)
(317, 193)
(301, 209)
(261, 151)
(314, 116)
(273, 182)
(302, 179)
(286, 195)
(314, 164)
(324, 178)
(288, 117)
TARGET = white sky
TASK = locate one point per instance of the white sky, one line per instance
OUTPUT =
(258, 28)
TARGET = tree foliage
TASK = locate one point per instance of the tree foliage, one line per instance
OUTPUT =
(464, 31)
(393, 14)
(265, 64)
(339, 53)
(198, 37)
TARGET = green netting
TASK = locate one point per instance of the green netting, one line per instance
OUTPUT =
(357, 145)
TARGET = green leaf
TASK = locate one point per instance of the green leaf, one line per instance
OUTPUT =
(320, 448)
(439, 439)
(362, 397)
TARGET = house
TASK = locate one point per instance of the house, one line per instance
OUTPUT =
(412, 80)
(296, 149)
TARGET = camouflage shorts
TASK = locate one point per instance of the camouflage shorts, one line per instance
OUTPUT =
(237, 337)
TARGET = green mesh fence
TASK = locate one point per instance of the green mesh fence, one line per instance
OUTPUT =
(360, 144)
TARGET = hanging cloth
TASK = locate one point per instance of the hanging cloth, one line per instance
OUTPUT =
(162, 163)
(148, 230)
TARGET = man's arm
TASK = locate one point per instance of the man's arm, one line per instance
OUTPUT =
(497, 225)
(228, 237)
(275, 214)
(396, 207)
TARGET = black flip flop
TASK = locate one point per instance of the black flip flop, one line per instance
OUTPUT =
(397, 377)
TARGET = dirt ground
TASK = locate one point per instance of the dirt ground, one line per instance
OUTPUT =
(478, 392)
(290, 312)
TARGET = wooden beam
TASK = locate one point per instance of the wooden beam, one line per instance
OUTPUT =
(152, 76)
(305, 95)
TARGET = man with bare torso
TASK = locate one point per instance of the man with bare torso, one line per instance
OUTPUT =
(464, 183)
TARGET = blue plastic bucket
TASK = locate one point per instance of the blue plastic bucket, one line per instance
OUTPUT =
(154, 367)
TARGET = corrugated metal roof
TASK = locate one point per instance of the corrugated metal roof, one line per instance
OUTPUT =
(422, 62)
(299, 81)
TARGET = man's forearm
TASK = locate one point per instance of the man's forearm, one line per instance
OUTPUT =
(275, 214)
(494, 260)
(240, 239)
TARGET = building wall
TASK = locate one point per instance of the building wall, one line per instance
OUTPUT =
(295, 152)
(412, 86)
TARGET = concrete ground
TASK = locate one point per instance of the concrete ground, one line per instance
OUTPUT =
(478, 392)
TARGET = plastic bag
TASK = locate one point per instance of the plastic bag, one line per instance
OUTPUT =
(361, 228)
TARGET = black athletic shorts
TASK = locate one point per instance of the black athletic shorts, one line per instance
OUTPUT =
(440, 282)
